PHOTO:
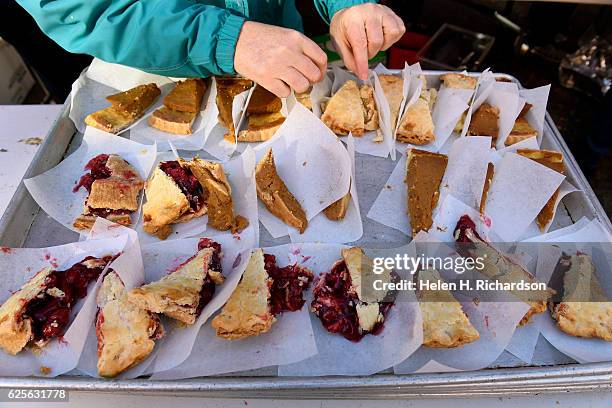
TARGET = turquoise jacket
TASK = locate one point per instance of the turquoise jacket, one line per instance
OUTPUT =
(182, 38)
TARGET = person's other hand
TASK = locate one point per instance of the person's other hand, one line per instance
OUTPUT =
(360, 32)
(279, 59)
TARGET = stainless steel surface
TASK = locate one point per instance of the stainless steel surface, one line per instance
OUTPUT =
(23, 224)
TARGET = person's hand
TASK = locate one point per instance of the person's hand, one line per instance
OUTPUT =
(360, 32)
(279, 59)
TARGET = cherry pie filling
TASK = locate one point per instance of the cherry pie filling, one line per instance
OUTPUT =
(208, 288)
(335, 303)
(50, 310)
(98, 171)
(289, 283)
(187, 182)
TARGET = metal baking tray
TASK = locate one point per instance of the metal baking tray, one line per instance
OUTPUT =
(23, 224)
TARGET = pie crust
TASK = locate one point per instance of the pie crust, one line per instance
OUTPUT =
(173, 121)
(183, 293)
(584, 310)
(554, 161)
(424, 172)
(41, 310)
(499, 266)
(113, 186)
(416, 126)
(337, 210)
(261, 127)
(445, 324)
(343, 305)
(458, 81)
(264, 292)
(351, 110)
(486, 187)
(521, 130)
(247, 311)
(273, 192)
(393, 88)
(304, 99)
(126, 108)
(126, 333)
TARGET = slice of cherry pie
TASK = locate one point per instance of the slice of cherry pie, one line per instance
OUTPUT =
(180, 190)
(343, 303)
(183, 293)
(113, 186)
(264, 292)
(41, 310)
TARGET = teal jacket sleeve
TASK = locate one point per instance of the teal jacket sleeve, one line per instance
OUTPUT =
(168, 37)
(327, 8)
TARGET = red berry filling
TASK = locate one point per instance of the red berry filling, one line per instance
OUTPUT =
(288, 285)
(187, 182)
(50, 315)
(97, 170)
(335, 303)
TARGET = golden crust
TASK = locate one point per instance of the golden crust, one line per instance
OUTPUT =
(186, 96)
(15, 329)
(273, 192)
(337, 210)
(247, 312)
(416, 125)
(351, 110)
(304, 99)
(458, 81)
(126, 334)
(110, 119)
(521, 130)
(393, 88)
(172, 121)
(261, 127)
(445, 324)
(165, 203)
(177, 294)
(584, 310)
(85, 222)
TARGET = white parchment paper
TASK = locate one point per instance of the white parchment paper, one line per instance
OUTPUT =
(52, 190)
(349, 229)
(519, 190)
(312, 162)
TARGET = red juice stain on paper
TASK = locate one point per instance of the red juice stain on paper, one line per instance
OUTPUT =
(5, 250)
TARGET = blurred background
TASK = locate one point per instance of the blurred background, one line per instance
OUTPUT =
(567, 44)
